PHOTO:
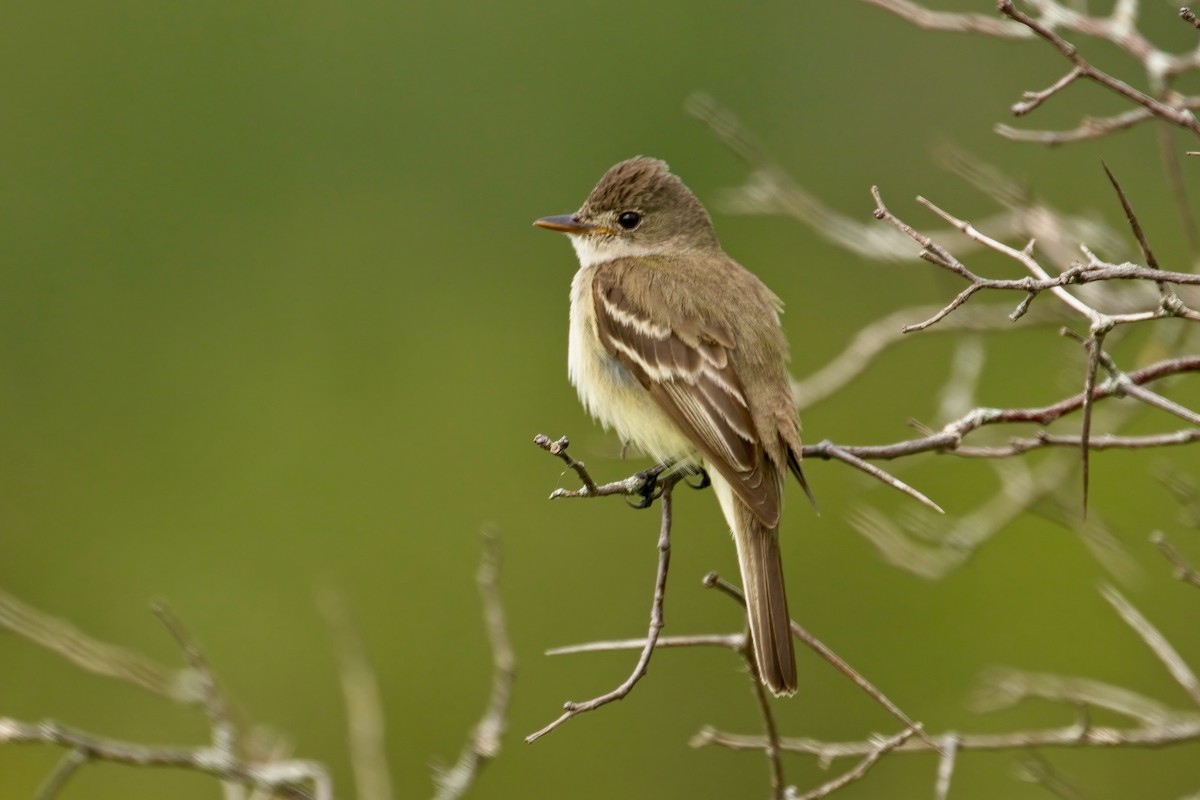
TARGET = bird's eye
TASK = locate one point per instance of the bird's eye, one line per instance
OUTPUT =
(629, 219)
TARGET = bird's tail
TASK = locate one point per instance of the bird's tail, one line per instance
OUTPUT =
(766, 600)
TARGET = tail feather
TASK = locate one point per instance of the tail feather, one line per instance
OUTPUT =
(766, 599)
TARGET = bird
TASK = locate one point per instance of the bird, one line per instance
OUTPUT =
(679, 349)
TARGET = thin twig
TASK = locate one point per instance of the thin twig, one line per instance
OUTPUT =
(1119, 28)
(828, 449)
(769, 189)
(1039, 280)
(1037, 770)
(1088, 128)
(1003, 688)
(90, 654)
(570, 708)
(1034, 99)
(1095, 346)
(1023, 257)
(949, 439)
(950, 20)
(196, 685)
(1183, 570)
(1142, 394)
(559, 448)
(1175, 116)
(365, 723)
(1157, 643)
(1168, 150)
(1018, 445)
(281, 777)
(770, 729)
(1072, 736)
(869, 760)
(729, 641)
(635, 485)
(1164, 289)
(945, 770)
(715, 581)
(66, 768)
(876, 337)
(484, 743)
(224, 731)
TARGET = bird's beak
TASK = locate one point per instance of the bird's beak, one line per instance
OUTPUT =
(566, 223)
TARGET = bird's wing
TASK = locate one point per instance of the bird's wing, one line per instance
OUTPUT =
(686, 367)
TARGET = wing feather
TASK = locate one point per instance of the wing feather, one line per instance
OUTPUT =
(687, 369)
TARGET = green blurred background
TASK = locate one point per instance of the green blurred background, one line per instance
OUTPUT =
(273, 317)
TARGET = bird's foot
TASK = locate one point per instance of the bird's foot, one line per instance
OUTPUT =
(650, 489)
(701, 476)
(668, 472)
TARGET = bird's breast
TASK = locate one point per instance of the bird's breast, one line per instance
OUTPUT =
(608, 390)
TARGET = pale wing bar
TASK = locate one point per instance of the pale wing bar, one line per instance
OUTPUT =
(689, 374)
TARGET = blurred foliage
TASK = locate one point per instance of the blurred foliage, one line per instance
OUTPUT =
(272, 316)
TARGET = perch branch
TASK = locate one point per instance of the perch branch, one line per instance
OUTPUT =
(572, 709)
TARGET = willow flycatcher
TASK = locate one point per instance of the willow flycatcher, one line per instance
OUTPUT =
(679, 348)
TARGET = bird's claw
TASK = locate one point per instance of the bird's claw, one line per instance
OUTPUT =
(650, 489)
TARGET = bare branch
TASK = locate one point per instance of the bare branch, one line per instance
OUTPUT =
(1034, 99)
(1020, 489)
(1002, 688)
(1040, 280)
(1119, 28)
(1183, 570)
(559, 448)
(1165, 291)
(1037, 770)
(945, 771)
(1175, 116)
(876, 337)
(1019, 445)
(100, 658)
(828, 450)
(484, 743)
(770, 729)
(1088, 128)
(281, 777)
(869, 760)
(570, 708)
(949, 439)
(275, 775)
(714, 581)
(1157, 643)
(1073, 736)
(770, 189)
(68, 765)
(1023, 257)
(366, 727)
(951, 21)
(730, 641)
(1095, 346)
(1144, 395)
(1168, 149)
(224, 732)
